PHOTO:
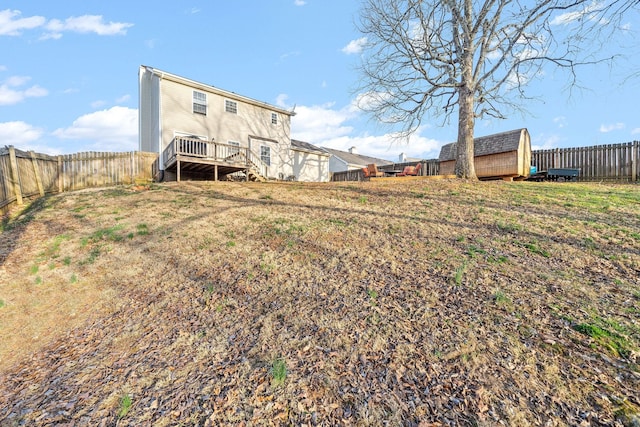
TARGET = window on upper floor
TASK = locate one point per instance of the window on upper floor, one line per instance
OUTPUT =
(236, 147)
(274, 118)
(265, 154)
(199, 102)
(230, 106)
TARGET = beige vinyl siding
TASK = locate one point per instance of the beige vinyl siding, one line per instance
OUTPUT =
(310, 167)
(251, 122)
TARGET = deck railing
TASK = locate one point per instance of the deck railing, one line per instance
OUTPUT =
(232, 155)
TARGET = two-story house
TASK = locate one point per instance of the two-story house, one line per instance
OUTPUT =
(203, 132)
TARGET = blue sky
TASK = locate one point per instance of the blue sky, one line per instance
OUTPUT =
(68, 75)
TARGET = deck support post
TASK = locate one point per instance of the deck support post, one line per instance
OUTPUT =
(215, 172)
(178, 170)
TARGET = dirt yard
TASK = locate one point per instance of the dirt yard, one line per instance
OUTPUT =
(397, 302)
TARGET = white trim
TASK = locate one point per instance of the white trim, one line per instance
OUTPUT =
(181, 133)
(231, 101)
(214, 90)
(269, 148)
(195, 102)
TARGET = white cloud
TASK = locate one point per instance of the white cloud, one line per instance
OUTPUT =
(281, 100)
(299, 2)
(115, 129)
(19, 134)
(321, 122)
(635, 131)
(86, 24)
(288, 54)
(97, 104)
(10, 92)
(560, 121)
(192, 11)
(12, 25)
(545, 142)
(3, 68)
(611, 127)
(387, 146)
(590, 12)
(328, 126)
(355, 46)
(123, 98)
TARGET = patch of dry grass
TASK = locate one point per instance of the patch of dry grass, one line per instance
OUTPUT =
(399, 301)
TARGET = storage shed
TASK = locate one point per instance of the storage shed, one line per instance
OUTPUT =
(504, 155)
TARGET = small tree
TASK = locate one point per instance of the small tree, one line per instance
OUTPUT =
(470, 56)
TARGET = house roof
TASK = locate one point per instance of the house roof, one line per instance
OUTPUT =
(305, 146)
(202, 86)
(357, 159)
(491, 144)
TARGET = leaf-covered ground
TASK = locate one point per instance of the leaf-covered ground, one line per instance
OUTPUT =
(396, 302)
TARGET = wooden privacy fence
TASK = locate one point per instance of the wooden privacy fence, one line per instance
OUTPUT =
(615, 162)
(428, 168)
(26, 174)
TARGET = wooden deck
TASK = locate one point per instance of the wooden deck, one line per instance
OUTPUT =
(211, 160)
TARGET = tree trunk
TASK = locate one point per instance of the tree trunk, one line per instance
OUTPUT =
(465, 165)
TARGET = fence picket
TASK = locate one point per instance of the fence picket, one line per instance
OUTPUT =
(24, 174)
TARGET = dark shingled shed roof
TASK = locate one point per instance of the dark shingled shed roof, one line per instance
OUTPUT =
(490, 144)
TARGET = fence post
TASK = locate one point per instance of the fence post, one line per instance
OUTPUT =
(635, 153)
(34, 163)
(15, 178)
(60, 178)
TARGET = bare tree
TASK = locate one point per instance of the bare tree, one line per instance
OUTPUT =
(431, 58)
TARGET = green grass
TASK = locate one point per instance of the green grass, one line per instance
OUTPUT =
(93, 255)
(2, 303)
(508, 227)
(125, 406)
(501, 298)
(373, 295)
(613, 342)
(142, 229)
(278, 372)
(110, 233)
(459, 275)
(536, 249)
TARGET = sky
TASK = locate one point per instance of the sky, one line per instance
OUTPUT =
(69, 75)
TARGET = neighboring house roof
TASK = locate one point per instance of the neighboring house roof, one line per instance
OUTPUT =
(227, 94)
(491, 144)
(305, 146)
(357, 159)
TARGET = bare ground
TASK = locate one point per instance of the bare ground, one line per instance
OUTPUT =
(395, 302)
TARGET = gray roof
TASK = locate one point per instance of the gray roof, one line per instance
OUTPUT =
(491, 144)
(357, 159)
(306, 146)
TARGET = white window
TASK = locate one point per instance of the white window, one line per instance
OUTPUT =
(199, 102)
(265, 154)
(274, 118)
(236, 147)
(230, 106)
